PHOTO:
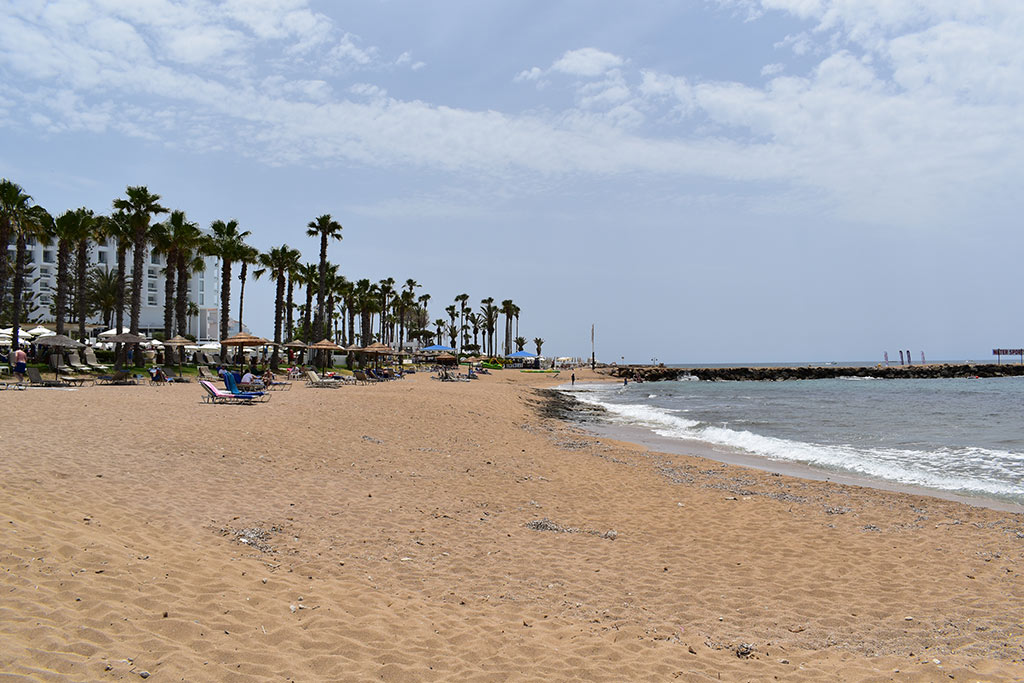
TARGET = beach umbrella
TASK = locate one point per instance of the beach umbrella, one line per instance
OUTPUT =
(243, 339)
(177, 342)
(39, 331)
(59, 341)
(113, 332)
(437, 347)
(125, 338)
(521, 354)
(293, 345)
(325, 345)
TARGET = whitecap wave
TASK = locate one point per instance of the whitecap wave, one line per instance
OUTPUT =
(965, 470)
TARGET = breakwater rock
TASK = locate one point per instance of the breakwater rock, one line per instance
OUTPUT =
(740, 374)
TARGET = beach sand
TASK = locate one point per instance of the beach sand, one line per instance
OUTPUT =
(420, 530)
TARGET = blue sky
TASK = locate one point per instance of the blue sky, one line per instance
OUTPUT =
(707, 181)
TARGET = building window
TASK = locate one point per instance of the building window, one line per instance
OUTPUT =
(44, 300)
(152, 272)
(202, 299)
(101, 257)
(202, 285)
(44, 272)
(151, 299)
(151, 286)
(155, 259)
(48, 256)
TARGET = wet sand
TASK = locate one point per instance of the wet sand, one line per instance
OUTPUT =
(421, 530)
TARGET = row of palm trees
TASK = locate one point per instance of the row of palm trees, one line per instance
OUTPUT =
(351, 313)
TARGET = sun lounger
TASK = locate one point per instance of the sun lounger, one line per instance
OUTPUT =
(173, 377)
(215, 395)
(78, 380)
(315, 381)
(229, 382)
(77, 366)
(37, 381)
(204, 373)
(90, 358)
(119, 378)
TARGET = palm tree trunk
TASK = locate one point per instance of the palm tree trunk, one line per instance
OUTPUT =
(172, 258)
(278, 306)
(181, 300)
(241, 292)
(119, 310)
(138, 268)
(63, 256)
(5, 238)
(307, 326)
(16, 289)
(82, 266)
(323, 282)
(288, 324)
(225, 302)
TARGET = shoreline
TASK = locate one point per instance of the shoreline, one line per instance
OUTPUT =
(644, 437)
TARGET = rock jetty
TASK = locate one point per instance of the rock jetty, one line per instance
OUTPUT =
(739, 374)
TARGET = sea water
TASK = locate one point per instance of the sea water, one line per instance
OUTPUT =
(959, 436)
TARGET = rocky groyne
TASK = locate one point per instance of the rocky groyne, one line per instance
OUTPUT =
(738, 374)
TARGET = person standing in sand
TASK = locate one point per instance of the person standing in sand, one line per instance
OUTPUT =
(574, 379)
(20, 364)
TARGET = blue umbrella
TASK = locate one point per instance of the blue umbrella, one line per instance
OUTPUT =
(521, 354)
(437, 347)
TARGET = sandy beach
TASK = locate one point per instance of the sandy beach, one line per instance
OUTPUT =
(420, 530)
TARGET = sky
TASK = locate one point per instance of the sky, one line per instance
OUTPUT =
(703, 181)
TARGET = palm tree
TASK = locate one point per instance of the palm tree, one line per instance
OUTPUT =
(386, 289)
(14, 204)
(476, 321)
(36, 223)
(82, 305)
(246, 255)
(490, 313)
(225, 243)
(294, 261)
(520, 342)
(105, 292)
(163, 236)
(71, 227)
(461, 299)
(539, 343)
(308, 274)
(118, 229)
(140, 205)
(440, 324)
(325, 227)
(277, 262)
(507, 309)
(190, 242)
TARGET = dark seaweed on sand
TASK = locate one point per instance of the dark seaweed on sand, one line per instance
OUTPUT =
(557, 405)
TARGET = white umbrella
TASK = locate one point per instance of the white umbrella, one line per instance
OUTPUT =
(210, 346)
(113, 332)
(40, 331)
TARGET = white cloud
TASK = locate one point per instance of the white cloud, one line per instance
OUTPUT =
(587, 62)
(905, 110)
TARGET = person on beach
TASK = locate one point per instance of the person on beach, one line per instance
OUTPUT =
(574, 379)
(20, 363)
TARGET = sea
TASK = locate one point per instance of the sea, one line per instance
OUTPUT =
(956, 438)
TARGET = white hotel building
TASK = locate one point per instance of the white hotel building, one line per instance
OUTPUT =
(203, 287)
